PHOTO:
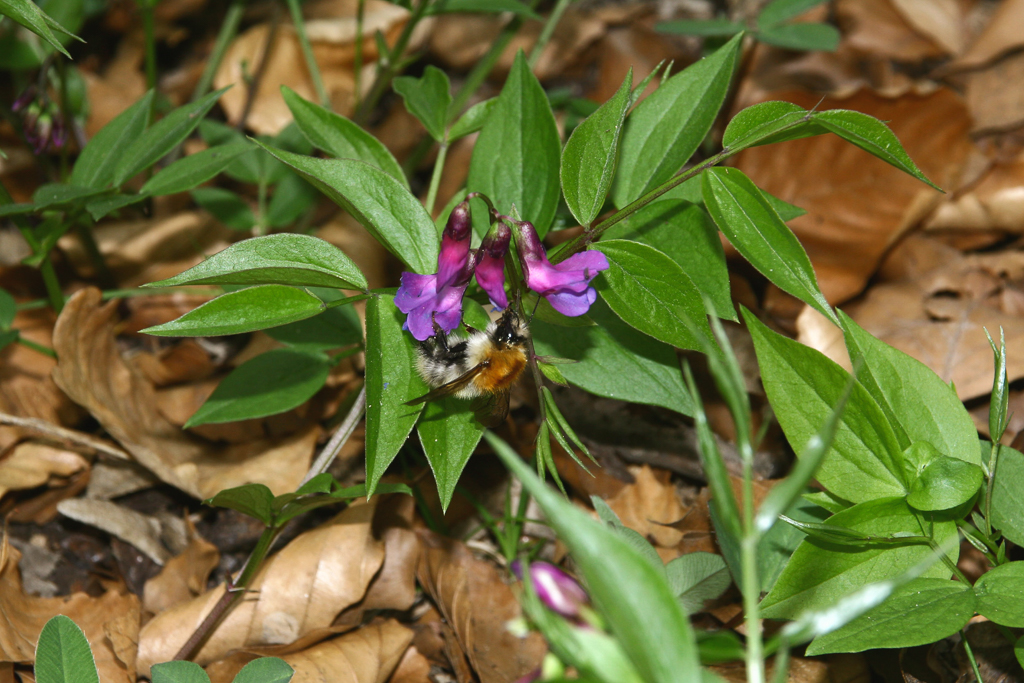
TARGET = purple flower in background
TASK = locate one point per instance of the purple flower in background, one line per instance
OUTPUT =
(437, 298)
(565, 285)
(490, 264)
(556, 589)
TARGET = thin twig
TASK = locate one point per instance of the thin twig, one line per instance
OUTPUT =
(50, 429)
(254, 84)
(340, 438)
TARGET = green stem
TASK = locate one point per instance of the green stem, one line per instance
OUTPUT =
(391, 67)
(548, 31)
(751, 588)
(435, 178)
(261, 226)
(993, 462)
(29, 344)
(46, 268)
(970, 656)
(146, 7)
(227, 33)
(357, 65)
(307, 52)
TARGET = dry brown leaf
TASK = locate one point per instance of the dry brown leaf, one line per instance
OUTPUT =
(878, 29)
(996, 202)
(939, 20)
(142, 531)
(648, 504)
(818, 332)
(22, 618)
(118, 478)
(26, 388)
(994, 106)
(1004, 32)
(183, 576)
(333, 47)
(478, 604)
(413, 668)
(300, 590)
(373, 260)
(31, 464)
(92, 372)
(186, 361)
(120, 86)
(367, 655)
(938, 316)
(857, 205)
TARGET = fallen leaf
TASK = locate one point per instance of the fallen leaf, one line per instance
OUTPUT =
(300, 590)
(412, 668)
(820, 333)
(478, 604)
(939, 20)
(92, 372)
(993, 106)
(878, 29)
(120, 85)
(183, 577)
(648, 504)
(118, 478)
(142, 531)
(858, 206)
(1003, 32)
(368, 655)
(31, 464)
(995, 202)
(22, 618)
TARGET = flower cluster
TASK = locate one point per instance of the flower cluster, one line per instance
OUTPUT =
(434, 301)
(42, 122)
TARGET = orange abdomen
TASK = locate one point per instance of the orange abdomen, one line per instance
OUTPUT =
(503, 369)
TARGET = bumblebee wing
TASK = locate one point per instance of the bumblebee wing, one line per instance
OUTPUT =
(450, 388)
(494, 410)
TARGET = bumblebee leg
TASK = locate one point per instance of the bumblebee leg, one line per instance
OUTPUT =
(440, 336)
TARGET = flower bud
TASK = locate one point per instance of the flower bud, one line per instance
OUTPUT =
(556, 589)
(490, 267)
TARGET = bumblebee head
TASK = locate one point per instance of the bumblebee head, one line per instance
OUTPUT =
(509, 329)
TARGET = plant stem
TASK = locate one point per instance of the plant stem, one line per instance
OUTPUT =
(390, 70)
(46, 268)
(228, 30)
(146, 7)
(993, 462)
(970, 656)
(307, 52)
(751, 588)
(547, 31)
(357, 65)
(435, 178)
(29, 344)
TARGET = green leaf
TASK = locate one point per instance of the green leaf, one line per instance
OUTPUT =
(828, 501)
(683, 232)
(8, 309)
(283, 259)
(427, 98)
(516, 158)
(247, 310)
(757, 232)
(473, 120)
(872, 136)
(179, 671)
(291, 505)
(226, 206)
(696, 578)
(803, 386)
(95, 165)
(918, 405)
(1000, 593)
(808, 36)
(254, 500)
(616, 361)
(339, 136)
(778, 11)
(782, 540)
(383, 205)
(265, 670)
(449, 434)
(591, 153)
(768, 122)
(391, 381)
(184, 174)
(630, 592)
(998, 404)
(945, 483)
(820, 573)
(293, 197)
(54, 195)
(709, 28)
(98, 208)
(514, 6)
(668, 126)
(63, 654)
(1007, 503)
(653, 294)
(34, 19)
(271, 383)
(920, 612)
(336, 327)
(163, 136)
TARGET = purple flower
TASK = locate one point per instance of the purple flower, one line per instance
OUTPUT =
(490, 264)
(565, 285)
(555, 588)
(437, 298)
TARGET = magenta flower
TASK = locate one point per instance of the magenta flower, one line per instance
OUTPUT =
(437, 299)
(565, 285)
(556, 589)
(490, 264)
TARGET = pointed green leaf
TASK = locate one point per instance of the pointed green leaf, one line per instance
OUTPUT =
(391, 381)
(226, 206)
(29, 15)
(697, 577)
(340, 137)
(284, 259)
(591, 153)
(778, 11)
(254, 500)
(95, 165)
(449, 434)
(163, 136)
(247, 310)
(945, 483)
(806, 36)
(1007, 503)
(63, 654)
(516, 158)
(383, 205)
(184, 174)
(752, 226)
(427, 98)
(473, 120)
(667, 127)
(768, 122)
